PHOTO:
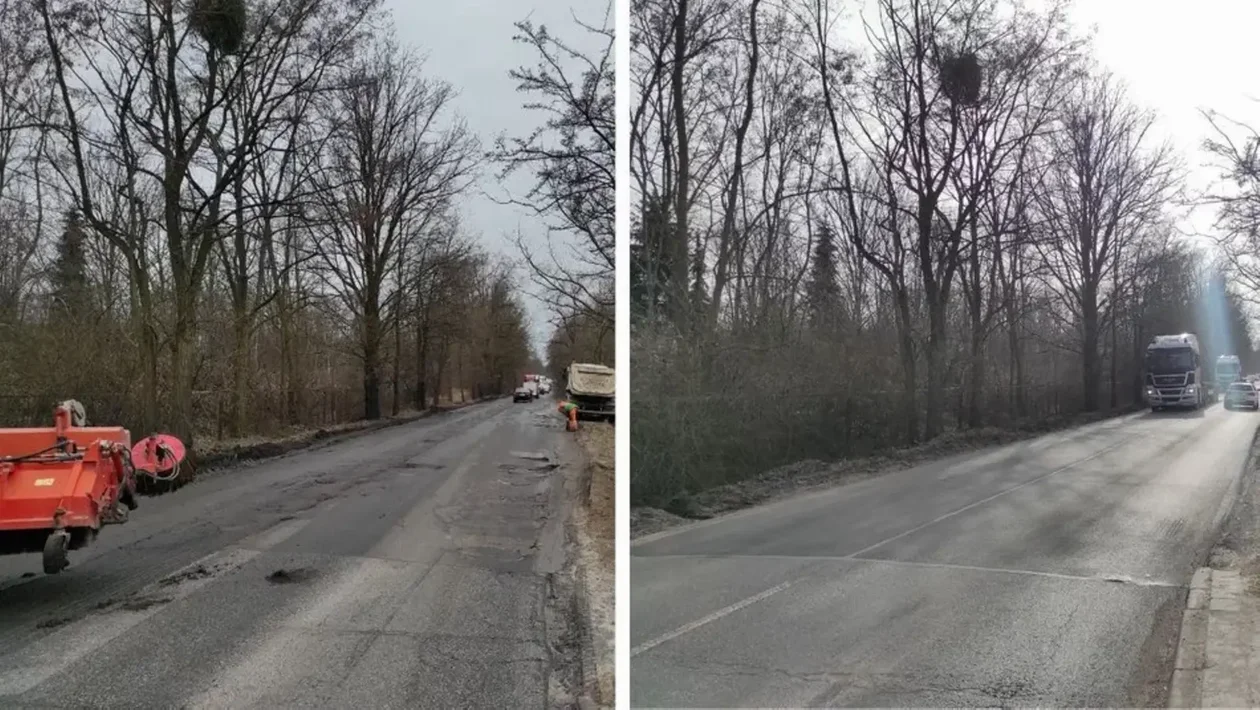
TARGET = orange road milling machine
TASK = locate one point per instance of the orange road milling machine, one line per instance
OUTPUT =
(59, 485)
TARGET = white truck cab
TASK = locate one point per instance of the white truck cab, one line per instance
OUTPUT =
(1174, 373)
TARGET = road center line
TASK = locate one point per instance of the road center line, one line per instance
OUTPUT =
(995, 496)
(1109, 578)
(725, 611)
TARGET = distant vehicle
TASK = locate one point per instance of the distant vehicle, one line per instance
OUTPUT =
(522, 394)
(544, 386)
(1174, 373)
(1228, 371)
(1242, 394)
(593, 388)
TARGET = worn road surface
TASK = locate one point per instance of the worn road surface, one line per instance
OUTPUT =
(1050, 572)
(403, 568)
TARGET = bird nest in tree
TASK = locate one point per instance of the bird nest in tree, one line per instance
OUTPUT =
(221, 23)
(961, 78)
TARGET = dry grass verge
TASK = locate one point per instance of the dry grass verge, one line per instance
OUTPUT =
(1239, 545)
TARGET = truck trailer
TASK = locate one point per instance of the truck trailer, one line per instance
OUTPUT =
(593, 388)
(1228, 371)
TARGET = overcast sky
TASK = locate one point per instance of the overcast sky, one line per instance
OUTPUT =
(1175, 62)
(469, 44)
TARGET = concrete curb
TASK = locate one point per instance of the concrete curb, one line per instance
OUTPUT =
(1216, 664)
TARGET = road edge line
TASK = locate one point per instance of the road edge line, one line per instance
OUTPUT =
(710, 618)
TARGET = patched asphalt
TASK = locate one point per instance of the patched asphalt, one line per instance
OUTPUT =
(406, 567)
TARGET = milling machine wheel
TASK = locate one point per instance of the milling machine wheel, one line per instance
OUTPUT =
(55, 552)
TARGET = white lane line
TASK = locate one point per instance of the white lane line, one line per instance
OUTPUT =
(1108, 578)
(995, 496)
(984, 455)
(37, 662)
(274, 535)
(725, 611)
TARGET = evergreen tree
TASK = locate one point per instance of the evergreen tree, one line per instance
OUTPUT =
(70, 290)
(822, 291)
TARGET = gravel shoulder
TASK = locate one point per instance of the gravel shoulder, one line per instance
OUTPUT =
(595, 522)
(1239, 545)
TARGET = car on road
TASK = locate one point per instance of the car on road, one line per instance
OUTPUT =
(523, 394)
(1242, 395)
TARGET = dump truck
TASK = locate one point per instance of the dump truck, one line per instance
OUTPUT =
(1175, 373)
(593, 388)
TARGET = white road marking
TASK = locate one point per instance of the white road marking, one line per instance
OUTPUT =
(347, 609)
(1109, 578)
(274, 535)
(725, 611)
(995, 496)
(50, 655)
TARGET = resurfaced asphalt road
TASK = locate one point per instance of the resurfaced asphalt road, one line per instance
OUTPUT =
(407, 567)
(1050, 572)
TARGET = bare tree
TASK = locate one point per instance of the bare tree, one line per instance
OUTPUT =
(395, 162)
(1104, 187)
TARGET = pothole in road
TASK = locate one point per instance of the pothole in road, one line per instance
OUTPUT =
(291, 576)
(198, 572)
(56, 621)
(423, 466)
(142, 603)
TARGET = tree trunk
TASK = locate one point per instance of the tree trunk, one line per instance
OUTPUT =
(240, 372)
(909, 370)
(142, 320)
(1018, 397)
(181, 382)
(975, 310)
(397, 375)
(422, 368)
(976, 378)
(1090, 369)
(443, 356)
(678, 246)
(288, 363)
(1115, 352)
(935, 375)
(371, 364)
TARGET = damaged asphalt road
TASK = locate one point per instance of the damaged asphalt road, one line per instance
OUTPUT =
(1050, 572)
(413, 566)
